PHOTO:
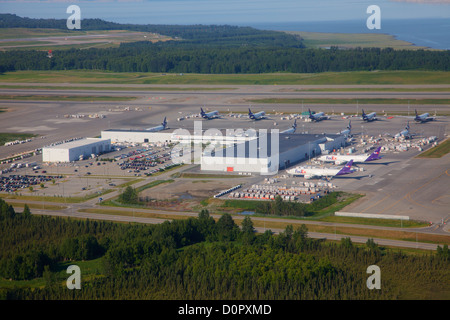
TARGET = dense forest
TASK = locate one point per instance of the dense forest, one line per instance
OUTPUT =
(203, 259)
(212, 50)
(173, 57)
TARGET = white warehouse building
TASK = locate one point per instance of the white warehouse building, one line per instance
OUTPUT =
(177, 135)
(265, 156)
(72, 151)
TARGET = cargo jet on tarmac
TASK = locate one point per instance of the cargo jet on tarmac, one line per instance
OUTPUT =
(256, 116)
(404, 133)
(369, 117)
(210, 115)
(310, 172)
(357, 158)
(317, 116)
(158, 128)
(424, 117)
(291, 129)
(347, 132)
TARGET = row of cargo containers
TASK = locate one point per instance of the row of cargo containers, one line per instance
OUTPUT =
(286, 191)
(260, 196)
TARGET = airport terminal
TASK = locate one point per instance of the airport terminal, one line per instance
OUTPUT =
(270, 152)
(76, 150)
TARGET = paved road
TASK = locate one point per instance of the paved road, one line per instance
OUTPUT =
(316, 235)
(236, 93)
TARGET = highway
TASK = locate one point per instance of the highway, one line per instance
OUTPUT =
(134, 216)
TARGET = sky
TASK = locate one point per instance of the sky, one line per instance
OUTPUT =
(227, 11)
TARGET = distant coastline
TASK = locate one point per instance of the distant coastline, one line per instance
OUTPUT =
(428, 33)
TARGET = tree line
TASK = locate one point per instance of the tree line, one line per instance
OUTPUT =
(201, 258)
(179, 58)
(211, 49)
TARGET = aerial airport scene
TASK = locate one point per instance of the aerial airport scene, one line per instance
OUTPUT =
(129, 172)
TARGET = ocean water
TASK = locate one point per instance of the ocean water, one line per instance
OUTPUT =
(433, 33)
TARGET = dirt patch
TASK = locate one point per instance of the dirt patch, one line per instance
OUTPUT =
(190, 189)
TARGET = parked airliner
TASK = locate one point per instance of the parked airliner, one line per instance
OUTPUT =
(369, 117)
(291, 129)
(424, 117)
(357, 158)
(347, 132)
(311, 172)
(256, 116)
(161, 127)
(210, 115)
(317, 116)
(404, 133)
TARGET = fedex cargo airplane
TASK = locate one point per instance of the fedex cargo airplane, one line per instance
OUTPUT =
(404, 133)
(424, 117)
(256, 116)
(158, 128)
(316, 116)
(291, 129)
(347, 132)
(357, 158)
(210, 115)
(369, 117)
(310, 172)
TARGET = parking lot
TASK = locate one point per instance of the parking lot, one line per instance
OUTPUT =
(14, 183)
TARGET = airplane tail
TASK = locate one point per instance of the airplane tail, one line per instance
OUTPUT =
(250, 113)
(407, 126)
(295, 124)
(363, 114)
(349, 125)
(346, 169)
(375, 155)
(164, 123)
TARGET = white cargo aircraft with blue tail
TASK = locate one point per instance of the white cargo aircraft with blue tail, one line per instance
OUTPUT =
(256, 116)
(404, 133)
(161, 127)
(347, 132)
(317, 116)
(369, 117)
(291, 129)
(210, 115)
(424, 117)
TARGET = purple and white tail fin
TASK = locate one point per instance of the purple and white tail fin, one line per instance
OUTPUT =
(375, 155)
(346, 169)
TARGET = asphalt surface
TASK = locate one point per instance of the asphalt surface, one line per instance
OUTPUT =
(399, 185)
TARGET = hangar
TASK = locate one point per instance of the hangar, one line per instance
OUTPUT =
(136, 136)
(74, 150)
(197, 135)
(269, 153)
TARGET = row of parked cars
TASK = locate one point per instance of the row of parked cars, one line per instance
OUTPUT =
(13, 183)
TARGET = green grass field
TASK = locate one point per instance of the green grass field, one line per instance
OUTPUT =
(351, 101)
(438, 151)
(325, 78)
(7, 137)
(352, 40)
(63, 98)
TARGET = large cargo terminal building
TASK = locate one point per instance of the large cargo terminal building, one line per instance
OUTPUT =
(72, 151)
(266, 155)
